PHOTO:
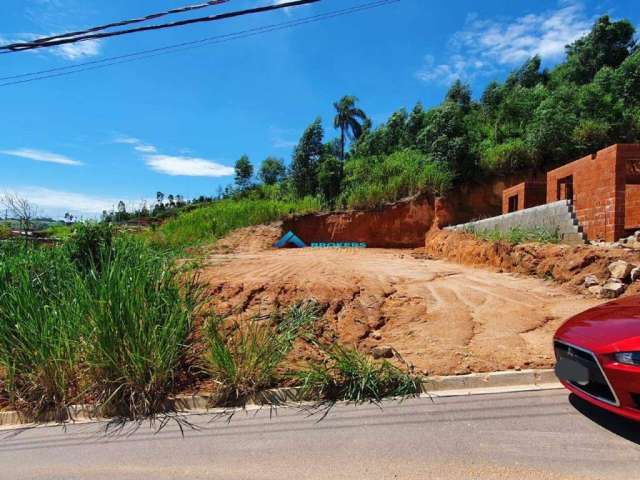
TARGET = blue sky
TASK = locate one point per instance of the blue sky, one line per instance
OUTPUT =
(176, 123)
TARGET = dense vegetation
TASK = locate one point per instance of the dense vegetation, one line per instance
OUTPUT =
(97, 318)
(535, 119)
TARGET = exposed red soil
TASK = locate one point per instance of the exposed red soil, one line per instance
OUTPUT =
(249, 239)
(566, 264)
(399, 225)
(443, 317)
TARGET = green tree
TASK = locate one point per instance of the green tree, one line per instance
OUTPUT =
(445, 139)
(395, 132)
(306, 157)
(414, 125)
(608, 44)
(330, 174)
(272, 171)
(244, 172)
(528, 75)
(629, 75)
(460, 94)
(349, 119)
(549, 134)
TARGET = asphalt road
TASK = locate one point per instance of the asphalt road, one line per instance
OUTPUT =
(518, 435)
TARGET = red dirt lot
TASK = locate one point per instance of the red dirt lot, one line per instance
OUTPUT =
(443, 317)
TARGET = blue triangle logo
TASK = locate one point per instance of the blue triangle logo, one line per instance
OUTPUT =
(288, 238)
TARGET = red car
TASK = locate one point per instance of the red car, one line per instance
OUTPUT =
(598, 356)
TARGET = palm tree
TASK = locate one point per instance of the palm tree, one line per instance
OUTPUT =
(349, 119)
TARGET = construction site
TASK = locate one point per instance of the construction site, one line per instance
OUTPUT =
(446, 301)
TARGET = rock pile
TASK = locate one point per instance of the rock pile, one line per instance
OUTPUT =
(631, 242)
(621, 274)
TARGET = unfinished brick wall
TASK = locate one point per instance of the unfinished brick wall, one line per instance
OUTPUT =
(596, 184)
(632, 207)
(529, 194)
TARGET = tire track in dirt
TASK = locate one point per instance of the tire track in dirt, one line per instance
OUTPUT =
(443, 317)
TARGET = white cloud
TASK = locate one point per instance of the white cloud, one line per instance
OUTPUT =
(76, 51)
(57, 202)
(70, 51)
(459, 67)
(184, 166)
(138, 145)
(486, 44)
(187, 166)
(41, 156)
(127, 140)
(146, 148)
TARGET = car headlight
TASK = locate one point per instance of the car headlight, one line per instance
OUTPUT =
(628, 358)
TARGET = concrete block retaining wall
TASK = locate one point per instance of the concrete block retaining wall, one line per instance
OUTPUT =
(555, 216)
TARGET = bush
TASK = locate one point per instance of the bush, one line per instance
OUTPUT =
(350, 375)
(5, 231)
(246, 360)
(507, 157)
(139, 315)
(89, 244)
(371, 181)
(41, 316)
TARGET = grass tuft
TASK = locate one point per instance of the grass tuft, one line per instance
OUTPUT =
(350, 375)
(139, 319)
(246, 360)
(40, 323)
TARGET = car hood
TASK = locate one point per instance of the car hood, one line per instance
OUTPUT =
(614, 326)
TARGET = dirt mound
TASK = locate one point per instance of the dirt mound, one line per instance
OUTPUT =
(562, 263)
(249, 239)
(400, 225)
(444, 318)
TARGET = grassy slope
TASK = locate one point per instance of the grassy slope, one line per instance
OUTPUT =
(214, 221)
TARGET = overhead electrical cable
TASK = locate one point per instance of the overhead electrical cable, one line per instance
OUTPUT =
(19, 47)
(145, 54)
(123, 23)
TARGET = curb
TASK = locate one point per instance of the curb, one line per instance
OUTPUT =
(440, 386)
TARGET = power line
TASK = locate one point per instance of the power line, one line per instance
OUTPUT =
(145, 54)
(18, 47)
(123, 23)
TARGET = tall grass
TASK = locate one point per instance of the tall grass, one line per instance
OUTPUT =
(92, 321)
(139, 318)
(213, 221)
(348, 374)
(41, 317)
(244, 359)
(372, 181)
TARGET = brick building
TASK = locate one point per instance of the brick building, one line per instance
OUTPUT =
(604, 189)
(524, 195)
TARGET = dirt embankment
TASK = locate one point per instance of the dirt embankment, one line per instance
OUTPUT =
(563, 263)
(443, 317)
(400, 225)
(252, 239)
